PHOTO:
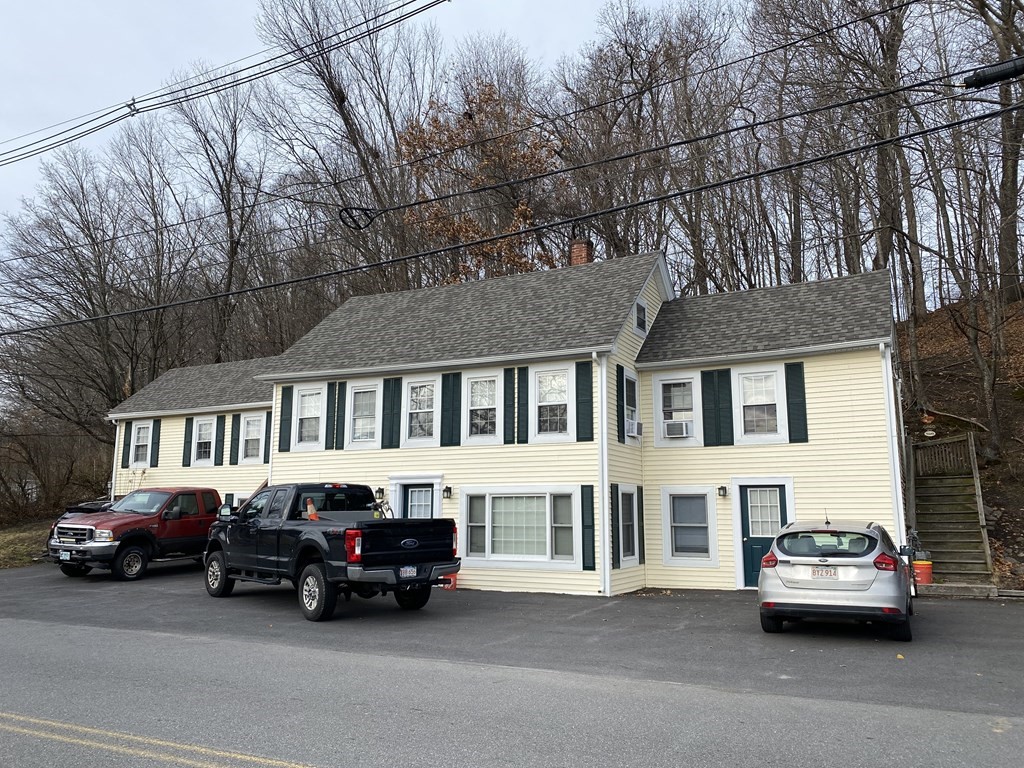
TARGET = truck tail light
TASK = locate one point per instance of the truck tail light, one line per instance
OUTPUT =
(354, 545)
(455, 541)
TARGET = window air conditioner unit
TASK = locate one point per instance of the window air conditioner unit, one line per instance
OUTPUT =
(634, 428)
(679, 428)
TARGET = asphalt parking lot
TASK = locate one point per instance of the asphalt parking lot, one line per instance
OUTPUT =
(965, 654)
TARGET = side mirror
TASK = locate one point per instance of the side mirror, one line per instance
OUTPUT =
(174, 513)
(225, 512)
(907, 551)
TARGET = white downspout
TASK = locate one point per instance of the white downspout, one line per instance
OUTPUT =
(601, 497)
(895, 474)
(114, 463)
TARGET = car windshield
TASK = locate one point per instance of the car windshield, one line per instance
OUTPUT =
(141, 502)
(826, 543)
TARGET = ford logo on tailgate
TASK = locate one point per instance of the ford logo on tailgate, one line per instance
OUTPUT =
(410, 543)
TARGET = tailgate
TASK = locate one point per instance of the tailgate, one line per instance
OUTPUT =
(400, 542)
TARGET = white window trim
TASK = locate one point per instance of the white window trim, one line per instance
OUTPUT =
(212, 421)
(781, 411)
(658, 423)
(521, 563)
(296, 402)
(498, 438)
(421, 442)
(641, 332)
(711, 502)
(132, 463)
(634, 560)
(397, 482)
(262, 416)
(737, 518)
(377, 385)
(631, 376)
(569, 369)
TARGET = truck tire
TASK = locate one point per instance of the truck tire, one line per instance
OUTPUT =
(218, 583)
(412, 599)
(130, 563)
(317, 596)
(70, 569)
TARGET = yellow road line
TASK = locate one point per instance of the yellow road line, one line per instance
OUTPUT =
(150, 742)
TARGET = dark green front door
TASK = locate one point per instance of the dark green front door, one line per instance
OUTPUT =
(762, 513)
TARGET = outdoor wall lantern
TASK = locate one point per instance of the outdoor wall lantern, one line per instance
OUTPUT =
(447, 492)
(379, 493)
(723, 491)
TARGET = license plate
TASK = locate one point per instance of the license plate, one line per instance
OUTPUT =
(824, 572)
(407, 572)
(65, 555)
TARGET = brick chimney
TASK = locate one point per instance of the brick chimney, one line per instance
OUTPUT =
(581, 252)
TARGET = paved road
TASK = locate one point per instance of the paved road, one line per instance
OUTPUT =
(94, 671)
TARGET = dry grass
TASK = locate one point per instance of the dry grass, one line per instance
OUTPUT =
(20, 544)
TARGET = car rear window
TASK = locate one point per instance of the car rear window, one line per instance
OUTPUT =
(826, 543)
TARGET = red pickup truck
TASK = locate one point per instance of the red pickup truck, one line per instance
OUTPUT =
(147, 525)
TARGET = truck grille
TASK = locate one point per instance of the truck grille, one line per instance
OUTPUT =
(74, 534)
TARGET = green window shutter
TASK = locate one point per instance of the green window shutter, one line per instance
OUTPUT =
(796, 402)
(584, 401)
(284, 440)
(620, 403)
(640, 522)
(218, 448)
(154, 447)
(236, 427)
(510, 406)
(523, 405)
(339, 422)
(391, 429)
(615, 526)
(126, 445)
(451, 409)
(186, 451)
(587, 508)
(716, 392)
(332, 414)
(266, 436)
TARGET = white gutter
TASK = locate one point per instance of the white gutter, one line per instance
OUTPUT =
(895, 474)
(601, 503)
(223, 408)
(114, 463)
(820, 349)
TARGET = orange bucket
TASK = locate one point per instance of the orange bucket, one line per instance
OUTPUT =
(923, 571)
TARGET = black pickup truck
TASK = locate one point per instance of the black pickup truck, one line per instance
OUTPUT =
(328, 539)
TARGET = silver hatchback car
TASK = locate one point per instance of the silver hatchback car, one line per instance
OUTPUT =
(835, 571)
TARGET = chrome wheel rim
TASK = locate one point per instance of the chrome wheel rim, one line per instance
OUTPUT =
(310, 593)
(132, 563)
(213, 574)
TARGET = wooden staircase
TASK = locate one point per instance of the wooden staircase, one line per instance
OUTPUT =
(950, 527)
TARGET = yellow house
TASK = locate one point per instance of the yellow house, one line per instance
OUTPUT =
(590, 432)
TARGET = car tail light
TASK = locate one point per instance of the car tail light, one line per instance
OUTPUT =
(886, 562)
(354, 545)
(769, 560)
(455, 541)
(895, 611)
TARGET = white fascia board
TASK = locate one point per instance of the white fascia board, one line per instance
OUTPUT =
(820, 349)
(227, 408)
(440, 365)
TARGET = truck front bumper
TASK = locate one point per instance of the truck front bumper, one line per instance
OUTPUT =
(430, 574)
(86, 552)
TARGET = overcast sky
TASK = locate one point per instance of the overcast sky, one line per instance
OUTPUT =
(60, 60)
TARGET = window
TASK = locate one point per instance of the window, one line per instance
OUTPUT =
(628, 527)
(419, 501)
(252, 438)
(689, 528)
(364, 415)
(525, 526)
(483, 407)
(254, 506)
(630, 406)
(202, 449)
(674, 399)
(552, 403)
(141, 433)
(764, 511)
(760, 412)
(309, 409)
(640, 318)
(421, 410)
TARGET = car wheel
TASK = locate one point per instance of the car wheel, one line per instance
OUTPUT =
(901, 631)
(218, 583)
(75, 570)
(317, 596)
(771, 624)
(130, 563)
(412, 599)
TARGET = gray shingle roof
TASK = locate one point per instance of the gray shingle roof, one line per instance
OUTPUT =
(838, 311)
(202, 387)
(574, 308)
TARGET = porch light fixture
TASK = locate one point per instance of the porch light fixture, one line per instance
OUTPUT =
(447, 492)
(379, 493)
(723, 491)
